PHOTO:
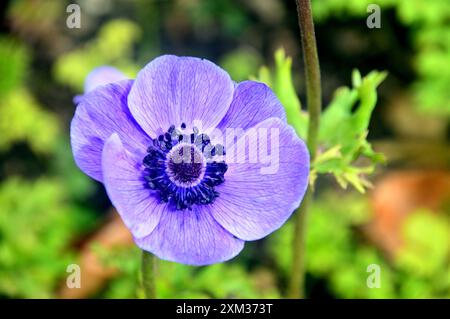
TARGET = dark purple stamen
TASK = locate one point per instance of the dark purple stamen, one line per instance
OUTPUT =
(181, 168)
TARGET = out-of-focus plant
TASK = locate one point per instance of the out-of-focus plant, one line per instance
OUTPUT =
(427, 22)
(220, 15)
(343, 124)
(337, 256)
(240, 63)
(424, 257)
(13, 63)
(112, 46)
(21, 116)
(175, 280)
(37, 226)
(340, 258)
(38, 219)
(22, 119)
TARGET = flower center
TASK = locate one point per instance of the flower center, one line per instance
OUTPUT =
(183, 169)
(185, 165)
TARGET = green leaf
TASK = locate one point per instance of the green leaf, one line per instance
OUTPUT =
(343, 124)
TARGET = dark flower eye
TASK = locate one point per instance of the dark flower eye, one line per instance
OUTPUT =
(181, 171)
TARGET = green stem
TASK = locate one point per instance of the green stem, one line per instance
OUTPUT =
(149, 275)
(314, 104)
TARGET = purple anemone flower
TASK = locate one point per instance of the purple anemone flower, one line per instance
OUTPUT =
(194, 163)
(100, 76)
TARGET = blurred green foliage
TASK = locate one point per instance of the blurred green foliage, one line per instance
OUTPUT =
(426, 235)
(174, 280)
(21, 117)
(38, 218)
(37, 225)
(13, 64)
(427, 23)
(336, 254)
(343, 125)
(240, 63)
(112, 46)
(203, 14)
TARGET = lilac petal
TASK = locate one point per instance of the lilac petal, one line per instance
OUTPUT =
(253, 102)
(253, 203)
(77, 99)
(101, 76)
(191, 237)
(99, 114)
(122, 175)
(172, 90)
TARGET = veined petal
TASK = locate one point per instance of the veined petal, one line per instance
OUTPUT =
(191, 237)
(253, 102)
(122, 176)
(100, 113)
(258, 196)
(172, 90)
(101, 76)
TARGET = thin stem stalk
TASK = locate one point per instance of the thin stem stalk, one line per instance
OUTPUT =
(296, 287)
(149, 275)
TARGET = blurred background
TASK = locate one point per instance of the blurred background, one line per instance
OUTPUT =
(52, 215)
